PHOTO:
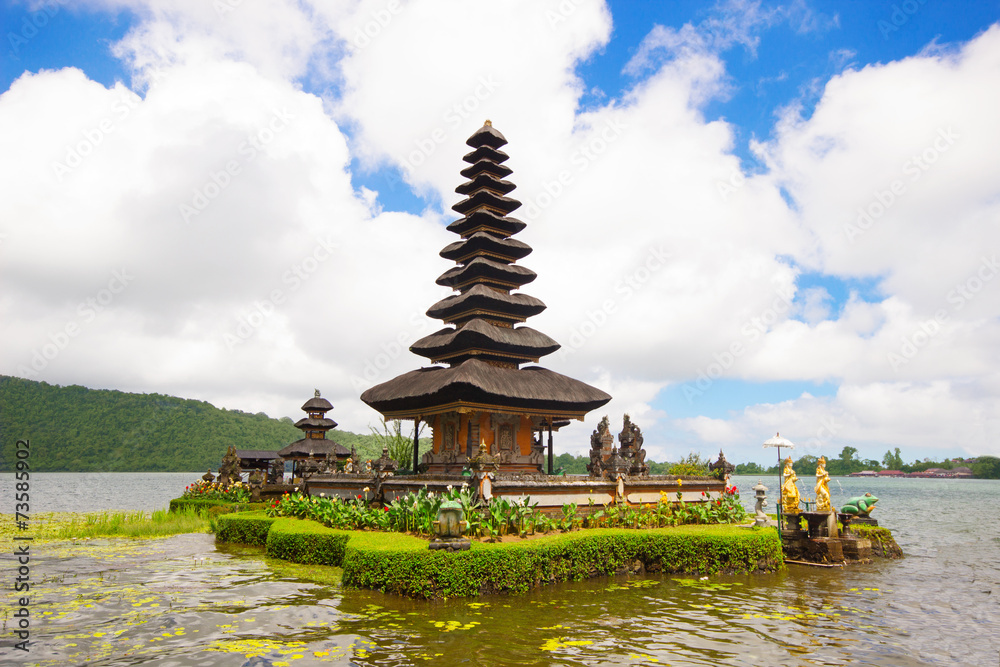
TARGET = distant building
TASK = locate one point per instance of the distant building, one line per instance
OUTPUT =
(891, 473)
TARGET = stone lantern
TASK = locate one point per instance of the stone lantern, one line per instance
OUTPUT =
(449, 528)
(761, 494)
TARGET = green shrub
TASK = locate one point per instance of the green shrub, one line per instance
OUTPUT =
(180, 504)
(403, 565)
(243, 528)
(306, 542)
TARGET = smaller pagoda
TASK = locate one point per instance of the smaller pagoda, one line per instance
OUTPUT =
(314, 452)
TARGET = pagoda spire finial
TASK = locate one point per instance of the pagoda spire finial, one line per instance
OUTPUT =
(316, 393)
(488, 123)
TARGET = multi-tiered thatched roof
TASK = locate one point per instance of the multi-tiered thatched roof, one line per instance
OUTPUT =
(484, 342)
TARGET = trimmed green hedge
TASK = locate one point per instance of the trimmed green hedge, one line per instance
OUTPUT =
(179, 504)
(405, 566)
(402, 564)
(244, 528)
(304, 541)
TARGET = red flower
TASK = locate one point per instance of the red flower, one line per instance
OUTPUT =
(359, 496)
(386, 509)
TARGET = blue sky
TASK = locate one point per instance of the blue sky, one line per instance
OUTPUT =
(775, 63)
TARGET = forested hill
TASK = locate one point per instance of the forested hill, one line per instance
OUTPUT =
(95, 430)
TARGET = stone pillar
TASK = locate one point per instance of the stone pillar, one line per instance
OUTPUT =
(416, 444)
(550, 447)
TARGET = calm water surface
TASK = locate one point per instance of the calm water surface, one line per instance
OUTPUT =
(183, 601)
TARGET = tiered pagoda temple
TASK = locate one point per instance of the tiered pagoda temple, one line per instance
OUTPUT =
(480, 392)
(313, 450)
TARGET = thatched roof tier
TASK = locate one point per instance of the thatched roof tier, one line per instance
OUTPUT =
(483, 340)
(485, 153)
(485, 180)
(315, 424)
(483, 244)
(484, 220)
(260, 454)
(483, 301)
(485, 349)
(488, 167)
(483, 270)
(487, 135)
(486, 199)
(312, 447)
(475, 384)
(317, 404)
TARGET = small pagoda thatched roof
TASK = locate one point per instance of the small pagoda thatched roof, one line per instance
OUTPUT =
(259, 454)
(317, 404)
(313, 447)
(315, 423)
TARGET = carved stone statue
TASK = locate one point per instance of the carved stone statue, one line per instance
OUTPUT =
(789, 491)
(256, 481)
(384, 463)
(229, 471)
(594, 467)
(722, 468)
(626, 439)
(640, 467)
(822, 488)
(349, 466)
(607, 439)
(383, 467)
(276, 472)
(601, 445)
(631, 448)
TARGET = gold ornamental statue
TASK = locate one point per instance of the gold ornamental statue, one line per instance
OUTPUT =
(789, 491)
(822, 490)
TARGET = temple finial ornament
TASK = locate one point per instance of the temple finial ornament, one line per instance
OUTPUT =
(488, 123)
(316, 393)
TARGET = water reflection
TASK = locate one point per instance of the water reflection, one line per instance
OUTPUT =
(181, 601)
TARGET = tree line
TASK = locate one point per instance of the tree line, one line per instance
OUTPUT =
(986, 467)
(76, 429)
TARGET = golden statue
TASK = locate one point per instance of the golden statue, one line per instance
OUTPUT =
(789, 491)
(822, 490)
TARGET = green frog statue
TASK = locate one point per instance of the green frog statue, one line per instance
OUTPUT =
(860, 505)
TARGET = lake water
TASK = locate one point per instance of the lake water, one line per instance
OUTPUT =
(182, 601)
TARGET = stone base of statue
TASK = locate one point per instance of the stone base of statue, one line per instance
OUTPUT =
(822, 524)
(856, 548)
(824, 550)
(791, 522)
(450, 543)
